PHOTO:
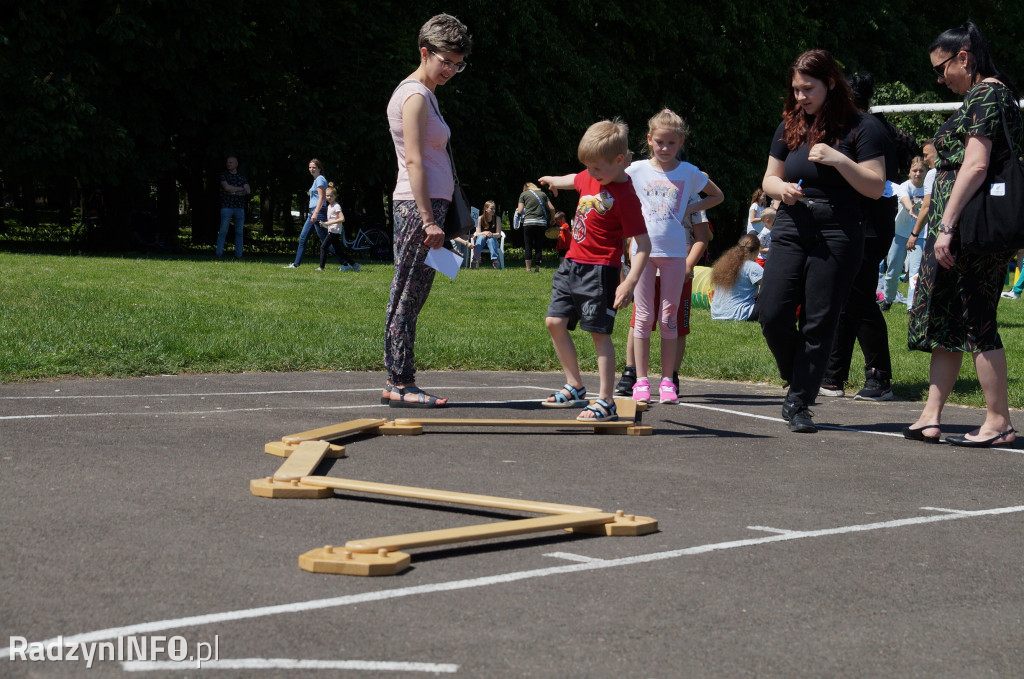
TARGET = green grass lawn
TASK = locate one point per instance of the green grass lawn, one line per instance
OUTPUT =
(109, 316)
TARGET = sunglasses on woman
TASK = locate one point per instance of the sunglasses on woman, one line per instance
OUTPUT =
(941, 68)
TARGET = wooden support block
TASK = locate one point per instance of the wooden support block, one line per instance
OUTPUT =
(282, 449)
(640, 430)
(485, 531)
(303, 462)
(622, 525)
(626, 409)
(268, 487)
(336, 431)
(453, 497)
(393, 429)
(340, 561)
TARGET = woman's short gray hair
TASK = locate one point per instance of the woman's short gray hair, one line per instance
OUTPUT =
(445, 33)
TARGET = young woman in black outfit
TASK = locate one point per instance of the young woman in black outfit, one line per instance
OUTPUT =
(824, 158)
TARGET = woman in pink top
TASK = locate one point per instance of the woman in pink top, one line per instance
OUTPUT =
(421, 199)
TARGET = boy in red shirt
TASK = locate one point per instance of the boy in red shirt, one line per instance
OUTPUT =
(586, 287)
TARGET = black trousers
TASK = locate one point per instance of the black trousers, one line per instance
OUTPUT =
(862, 321)
(333, 241)
(816, 249)
(533, 240)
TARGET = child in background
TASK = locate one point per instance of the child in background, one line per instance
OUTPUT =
(663, 184)
(333, 224)
(758, 202)
(586, 287)
(765, 237)
(911, 198)
(736, 277)
(564, 234)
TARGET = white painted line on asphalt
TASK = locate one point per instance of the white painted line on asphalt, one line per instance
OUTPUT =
(169, 413)
(220, 411)
(820, 426)
(289, 664)
(569, 556)
(769, 529)
(72, 397)
(947, 511)
(491, 580)
(731, 412)
(223, 411)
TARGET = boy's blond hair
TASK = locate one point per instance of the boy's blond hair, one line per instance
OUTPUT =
(768, 215)
(603, 141)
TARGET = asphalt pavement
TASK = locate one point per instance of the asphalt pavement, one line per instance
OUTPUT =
(128, 522)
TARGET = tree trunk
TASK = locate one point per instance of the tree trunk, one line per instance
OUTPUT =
(267, 210)
(167, 211)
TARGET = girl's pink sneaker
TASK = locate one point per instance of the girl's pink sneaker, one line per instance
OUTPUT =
(642, 391)
(667, 392)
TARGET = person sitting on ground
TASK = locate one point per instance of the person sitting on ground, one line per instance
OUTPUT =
(736, 278)
(765, 237)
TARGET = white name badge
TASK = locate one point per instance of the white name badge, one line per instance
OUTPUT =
(997, 189)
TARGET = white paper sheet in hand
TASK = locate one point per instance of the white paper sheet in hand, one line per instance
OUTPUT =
(445, 261)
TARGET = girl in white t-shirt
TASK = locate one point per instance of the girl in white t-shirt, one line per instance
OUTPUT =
(758, 201)
(911, 197)
(664, 184)
(333, 224)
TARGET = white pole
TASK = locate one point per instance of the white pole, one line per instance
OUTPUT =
(922, 108)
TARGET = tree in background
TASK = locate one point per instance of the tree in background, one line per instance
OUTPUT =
(147, 98)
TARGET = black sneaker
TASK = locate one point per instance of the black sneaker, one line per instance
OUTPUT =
(876, 388)
(885, 305)
(626, 382)
(799, 417)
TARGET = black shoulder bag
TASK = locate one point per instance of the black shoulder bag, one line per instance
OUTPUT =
(992, 221)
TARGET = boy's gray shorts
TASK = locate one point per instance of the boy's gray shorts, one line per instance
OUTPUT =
(585, 294)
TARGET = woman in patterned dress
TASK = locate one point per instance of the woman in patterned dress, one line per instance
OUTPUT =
(954, 308)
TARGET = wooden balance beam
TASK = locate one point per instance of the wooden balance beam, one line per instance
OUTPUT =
(286, 446)
(627, 424)
(453, 497)
(285, 483)
(383, 556)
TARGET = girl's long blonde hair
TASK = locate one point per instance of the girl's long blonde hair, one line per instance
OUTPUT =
(726, 270)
